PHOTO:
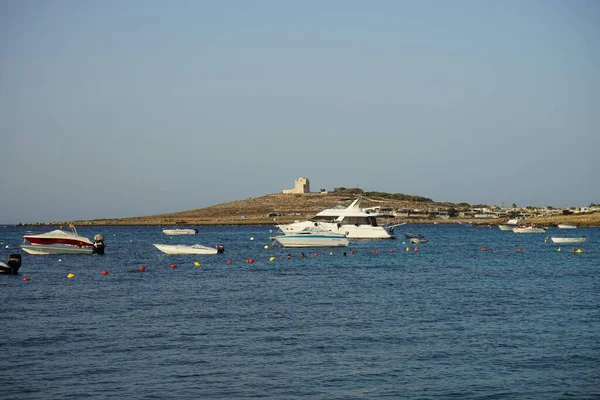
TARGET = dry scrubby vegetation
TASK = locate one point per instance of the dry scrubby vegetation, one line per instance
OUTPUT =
(291, 207)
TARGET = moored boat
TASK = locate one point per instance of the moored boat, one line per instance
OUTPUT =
(191, 249)
(509, 225)
(11, 267)
(568, 239)
(566, 226)
(309, 238)
(180, 231)
(529, 229)
(351, 221)
(62, 242)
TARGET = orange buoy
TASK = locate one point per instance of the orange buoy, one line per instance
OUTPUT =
(105, 272)
(416, 249)
(26, 279)
(392, 250)
(483, 249)
(228, 261)
(142, 268)
(351, 251)
(519, 249)
(316, 254)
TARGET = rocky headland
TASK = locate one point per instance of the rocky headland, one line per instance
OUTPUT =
(275, 209)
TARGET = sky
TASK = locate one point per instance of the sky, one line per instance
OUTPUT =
(138, 107)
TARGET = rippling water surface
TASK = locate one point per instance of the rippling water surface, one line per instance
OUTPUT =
(447, 321)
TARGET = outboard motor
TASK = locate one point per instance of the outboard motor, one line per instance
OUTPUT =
(98, 245)
(13, 265)
(220, 249)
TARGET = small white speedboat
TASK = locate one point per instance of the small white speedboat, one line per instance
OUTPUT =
(528, 229)
(191, 249)
(309, 238)
(568, 239)
(566, 226)
(509, 225)
(178, 231)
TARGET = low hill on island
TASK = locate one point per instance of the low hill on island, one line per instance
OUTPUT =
(274, 209)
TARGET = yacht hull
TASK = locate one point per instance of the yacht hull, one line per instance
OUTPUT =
(44, 249)
(313, 240)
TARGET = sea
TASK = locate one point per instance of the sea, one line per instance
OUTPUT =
(475, 313)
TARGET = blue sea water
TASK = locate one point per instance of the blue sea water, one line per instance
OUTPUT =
(448, 321)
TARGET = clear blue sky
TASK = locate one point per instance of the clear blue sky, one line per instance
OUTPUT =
(129, 108)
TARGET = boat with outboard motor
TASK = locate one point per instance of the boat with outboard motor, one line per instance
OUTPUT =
(352, 222)
(62, 242)
(189, 249)
(11, 267)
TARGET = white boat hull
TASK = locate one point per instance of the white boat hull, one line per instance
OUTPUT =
(567, 239)
(529, 230)
(177, 232)
(506, 227)
(182, 249)
(350, 231)
(313, 240)
(43, 249)
(566, 226)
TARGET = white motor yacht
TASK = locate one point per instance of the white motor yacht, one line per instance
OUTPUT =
(352, 222)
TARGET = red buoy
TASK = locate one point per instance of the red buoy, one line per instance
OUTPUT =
(105, 272)
(26, 279)
(173, 266)
(228, 261)
(142, 268)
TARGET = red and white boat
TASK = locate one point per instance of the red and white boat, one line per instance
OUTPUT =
(62, 242)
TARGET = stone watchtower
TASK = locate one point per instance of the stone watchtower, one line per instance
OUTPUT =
(301, 185)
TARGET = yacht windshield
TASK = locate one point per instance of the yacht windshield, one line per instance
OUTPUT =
(323, 218)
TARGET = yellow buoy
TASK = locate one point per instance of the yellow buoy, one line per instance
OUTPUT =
(71, 276)
(579, 251)
(266, 246)
(272, 259)
(196, 263)
(558, 249)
